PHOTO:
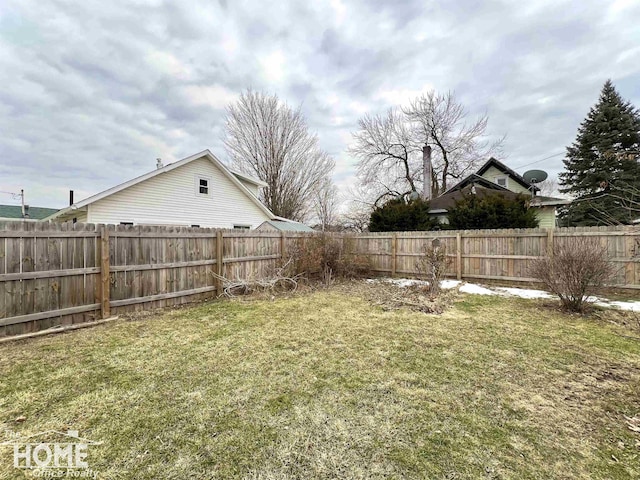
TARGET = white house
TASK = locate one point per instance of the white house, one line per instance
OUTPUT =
(195, 191)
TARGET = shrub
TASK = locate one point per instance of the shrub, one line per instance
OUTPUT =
(326, 257)
(400, 215)
(576, 270)
(491, 211)
(432, 265)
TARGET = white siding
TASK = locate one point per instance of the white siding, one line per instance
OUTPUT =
(253, 188)
(81, 216)
(171, 198)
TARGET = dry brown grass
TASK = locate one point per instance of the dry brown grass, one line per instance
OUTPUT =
(327, 385)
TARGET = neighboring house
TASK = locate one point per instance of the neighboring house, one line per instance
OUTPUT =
(494, 177)
(284, 226)
(14, 212)
(195, 191)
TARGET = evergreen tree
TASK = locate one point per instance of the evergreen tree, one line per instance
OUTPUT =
(602, 169)
(400, 215)
(491, 211)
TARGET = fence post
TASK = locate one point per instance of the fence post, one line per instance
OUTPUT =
(105, 273)
(219, 260)
(394, 254)
(550, 243)
(458, 256)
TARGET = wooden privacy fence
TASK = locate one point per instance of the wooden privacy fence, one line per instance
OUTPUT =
(61, 274)
(504, 255)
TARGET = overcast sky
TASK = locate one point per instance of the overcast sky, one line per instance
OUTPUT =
(91, 92)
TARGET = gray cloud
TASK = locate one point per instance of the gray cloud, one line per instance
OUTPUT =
(94, 91)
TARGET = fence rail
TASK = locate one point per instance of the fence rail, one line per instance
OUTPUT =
(59, 274)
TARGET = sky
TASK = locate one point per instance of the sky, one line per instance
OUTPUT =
(92, 92)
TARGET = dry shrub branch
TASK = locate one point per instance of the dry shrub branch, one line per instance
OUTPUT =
(576, 269)
(432, 266)
(327, 257)
(279, 280)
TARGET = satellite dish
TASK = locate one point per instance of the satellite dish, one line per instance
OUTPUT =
(535, 176)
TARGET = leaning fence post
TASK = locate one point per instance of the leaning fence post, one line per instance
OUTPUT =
(219, 260)
(105, 273)
(458, 256)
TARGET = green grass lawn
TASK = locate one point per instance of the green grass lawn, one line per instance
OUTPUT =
(325, 385)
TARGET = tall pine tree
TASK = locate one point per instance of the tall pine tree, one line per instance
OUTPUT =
(602, 166)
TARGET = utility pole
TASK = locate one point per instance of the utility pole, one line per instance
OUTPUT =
(22, 200)
(426, 172)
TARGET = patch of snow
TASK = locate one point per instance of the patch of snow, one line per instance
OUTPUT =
(476, 289)
(400, 282)
(630, 306)
(524, 292)
(446, 284)
(406, 282)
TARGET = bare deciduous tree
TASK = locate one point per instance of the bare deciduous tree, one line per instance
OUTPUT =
(548, 187)
(439, 120)
(389, 146)
(357, 214)
(326, 204)
(268, 139)
(388, 152)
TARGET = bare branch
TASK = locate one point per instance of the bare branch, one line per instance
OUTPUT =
(268, 139)
(389, 146)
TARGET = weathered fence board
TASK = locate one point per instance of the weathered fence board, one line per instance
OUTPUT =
(60, 274)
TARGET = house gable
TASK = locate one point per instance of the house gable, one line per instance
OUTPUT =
(496, 171)
(494, 174)
(176, 194)
(494, 177)
(174, 197)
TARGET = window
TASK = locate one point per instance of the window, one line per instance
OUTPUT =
(203, 186)
(242, 227)
(126, 223)
(502, 181)
(195, 226)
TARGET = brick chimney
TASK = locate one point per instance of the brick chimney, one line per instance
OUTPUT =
(426, 172)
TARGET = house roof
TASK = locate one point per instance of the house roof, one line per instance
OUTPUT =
(542, 201)
(246, 178)
(492, 162)
(289, 226)
(476, 179)
(448, 200)
(35, 213)
(167, 168)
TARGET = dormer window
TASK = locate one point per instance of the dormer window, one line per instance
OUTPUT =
(502, 181)
(202, 185)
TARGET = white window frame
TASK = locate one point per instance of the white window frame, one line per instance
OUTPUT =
(198, 178)
(506, 181)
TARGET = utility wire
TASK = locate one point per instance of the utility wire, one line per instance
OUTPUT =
(541, 160)
(564, 153)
